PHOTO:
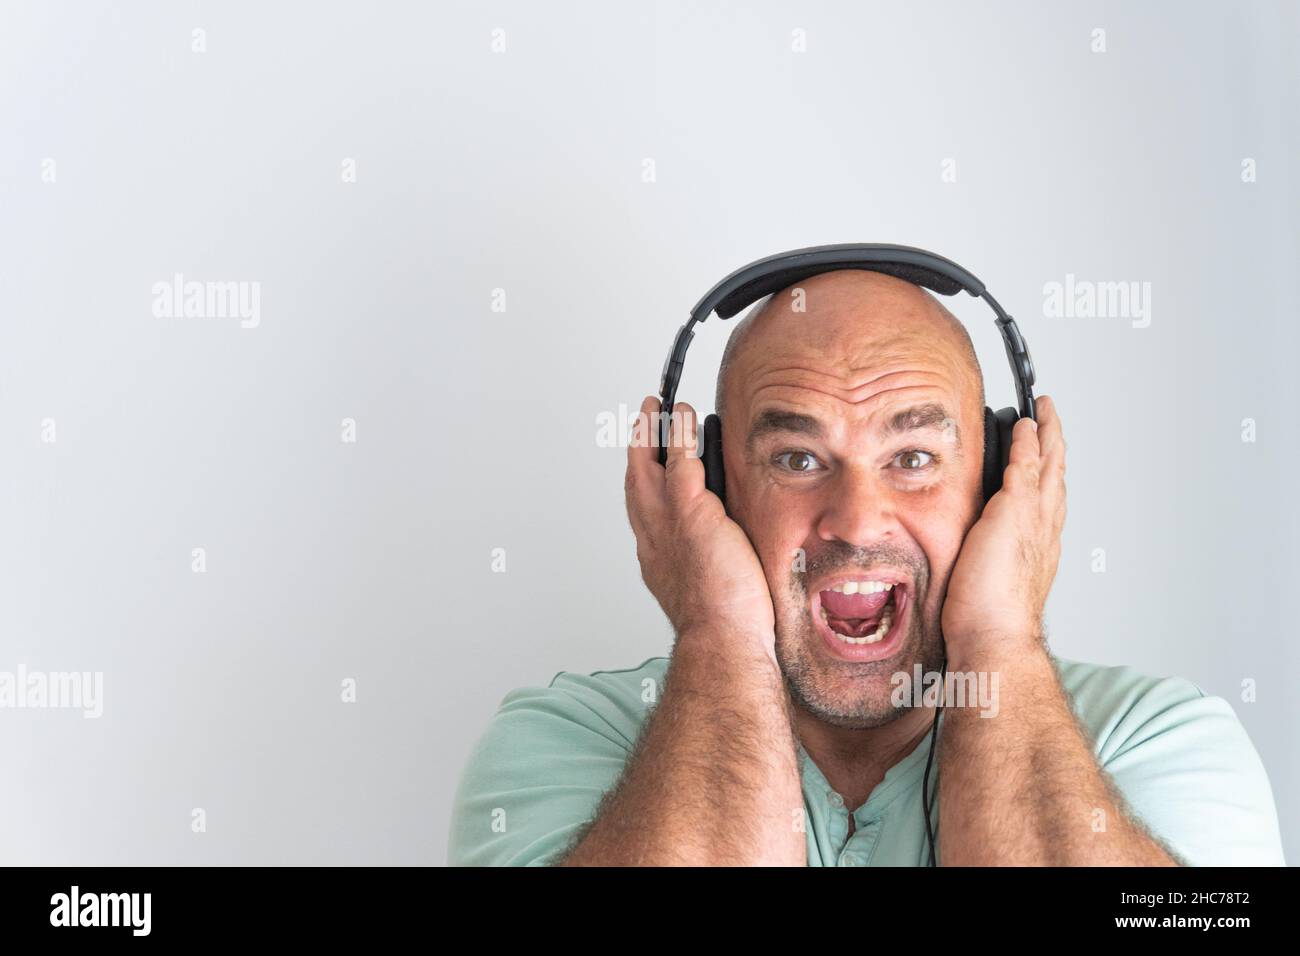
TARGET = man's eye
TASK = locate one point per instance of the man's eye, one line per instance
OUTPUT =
(797, 461)
(914, 456)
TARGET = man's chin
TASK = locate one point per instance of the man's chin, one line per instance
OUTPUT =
(847, 694)
(848, 716)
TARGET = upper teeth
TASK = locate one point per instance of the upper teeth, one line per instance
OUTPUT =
(861, 587)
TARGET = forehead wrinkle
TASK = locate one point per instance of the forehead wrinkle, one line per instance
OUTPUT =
(854, 394)
(841, 400)
(950, 400)
(793, 404)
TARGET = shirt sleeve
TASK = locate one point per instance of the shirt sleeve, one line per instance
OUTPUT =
(539, 771)
(1189, 772)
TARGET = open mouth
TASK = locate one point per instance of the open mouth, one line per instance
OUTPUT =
(861, 611)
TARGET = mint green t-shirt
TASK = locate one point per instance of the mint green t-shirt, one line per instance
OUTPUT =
(1182, 760)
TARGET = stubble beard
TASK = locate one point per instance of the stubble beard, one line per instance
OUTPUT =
(846, 694)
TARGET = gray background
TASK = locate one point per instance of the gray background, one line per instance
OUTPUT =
(476, 429)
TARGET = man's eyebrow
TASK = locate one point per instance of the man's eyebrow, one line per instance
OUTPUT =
(917, 417)
(913, 418)
(776, 420)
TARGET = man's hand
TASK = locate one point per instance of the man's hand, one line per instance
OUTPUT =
(995, 598)
(697, 562)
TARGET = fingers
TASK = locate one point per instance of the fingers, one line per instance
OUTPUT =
(1052, 460)
(1036, 466)
(1051, 439)
(644, 483)
(1022, 471)
(643, 447)
(684, 472)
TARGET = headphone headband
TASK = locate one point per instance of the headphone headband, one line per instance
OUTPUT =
(771, 274)
(750, 283)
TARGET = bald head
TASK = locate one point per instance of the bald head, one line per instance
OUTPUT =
(862, 316)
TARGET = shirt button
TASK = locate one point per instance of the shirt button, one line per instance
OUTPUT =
(848, 860)
(836, 799)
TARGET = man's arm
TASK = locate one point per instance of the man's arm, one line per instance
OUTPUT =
(1023, 788)
(714, 779)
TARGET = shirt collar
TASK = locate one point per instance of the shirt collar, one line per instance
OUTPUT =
(899, 778)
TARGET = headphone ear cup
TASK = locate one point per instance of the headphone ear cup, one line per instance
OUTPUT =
(715, 478)
(997, 447)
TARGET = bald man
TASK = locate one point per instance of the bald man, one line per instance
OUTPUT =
(814, 615)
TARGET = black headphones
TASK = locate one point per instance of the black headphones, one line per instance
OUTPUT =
(747, 285)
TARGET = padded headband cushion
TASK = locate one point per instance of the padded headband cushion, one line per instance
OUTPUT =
(751, 292)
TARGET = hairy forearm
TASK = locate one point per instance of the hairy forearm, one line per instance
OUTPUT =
(1023, 787)
(714, 778)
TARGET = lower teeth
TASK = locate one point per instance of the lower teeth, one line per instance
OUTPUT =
(874, 638)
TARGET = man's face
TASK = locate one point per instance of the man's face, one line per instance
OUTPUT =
(854, 450)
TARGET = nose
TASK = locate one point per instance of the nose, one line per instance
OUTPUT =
(859, 509)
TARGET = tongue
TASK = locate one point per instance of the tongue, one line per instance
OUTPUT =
(850, 606)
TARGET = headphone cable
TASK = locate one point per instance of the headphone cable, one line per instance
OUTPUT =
(934, 733)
